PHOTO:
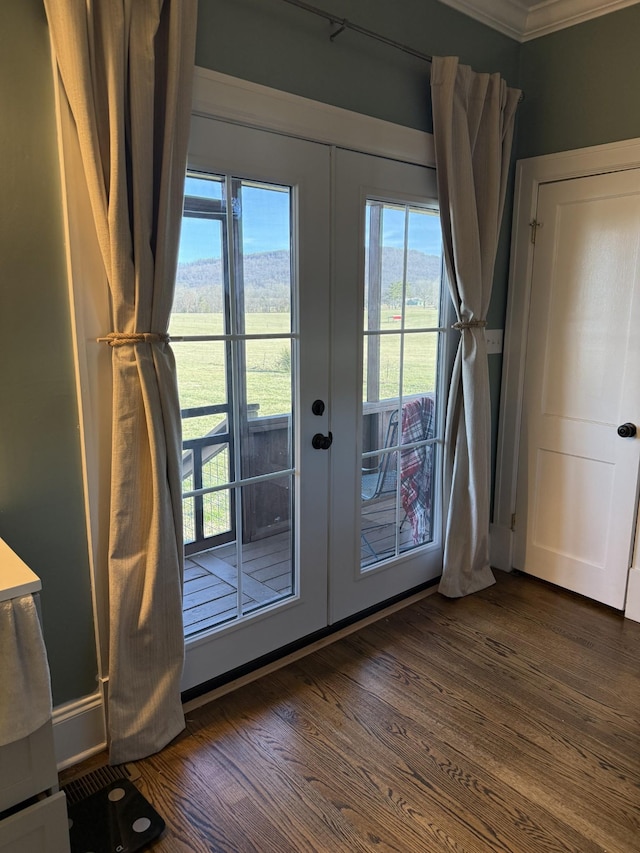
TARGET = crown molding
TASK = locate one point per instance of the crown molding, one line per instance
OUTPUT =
(552, 15)
(506, 16)
(523, 20)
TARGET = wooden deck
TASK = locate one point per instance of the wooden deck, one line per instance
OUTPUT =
(378, 532)
(211, 586)
(211, 581)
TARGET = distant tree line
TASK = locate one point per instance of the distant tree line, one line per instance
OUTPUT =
(267, 276)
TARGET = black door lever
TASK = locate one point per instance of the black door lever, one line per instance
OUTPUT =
(321, 442)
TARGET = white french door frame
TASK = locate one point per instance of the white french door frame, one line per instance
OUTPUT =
(530, 175)
(226, 99)
(220, 96)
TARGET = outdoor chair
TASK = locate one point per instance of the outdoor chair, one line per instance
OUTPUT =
(381, 480)
(415, 465)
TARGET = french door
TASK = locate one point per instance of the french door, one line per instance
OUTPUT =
(283, 285)
(388, 370)
(250, 330)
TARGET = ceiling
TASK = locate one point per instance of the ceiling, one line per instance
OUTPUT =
(524, 20)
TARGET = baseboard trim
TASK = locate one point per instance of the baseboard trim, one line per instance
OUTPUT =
(500, 547)
(79, 727)
(79, 730)
(632, 608)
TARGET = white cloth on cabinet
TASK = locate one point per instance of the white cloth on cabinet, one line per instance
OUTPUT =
(25, 684)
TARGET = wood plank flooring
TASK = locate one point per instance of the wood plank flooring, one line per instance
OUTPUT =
(506, 721)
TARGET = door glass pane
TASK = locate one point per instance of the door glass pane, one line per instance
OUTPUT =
(216, 505)
(202, 369)
(420, 364)
(381, 367)
(403, 263)
(268, 377)
(237, 579)
(424, 269)
(379, 525)
(416, 495)
(201, 278)
(265, 239)
(232, 330)
(267, 511)
(201, 186)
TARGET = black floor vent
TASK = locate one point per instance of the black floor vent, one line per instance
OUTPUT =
(96, 780)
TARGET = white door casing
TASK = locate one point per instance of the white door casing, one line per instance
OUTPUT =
(531, 175)
(577, 479)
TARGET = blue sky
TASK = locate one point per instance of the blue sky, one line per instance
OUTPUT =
(265, 225)
(424, 230)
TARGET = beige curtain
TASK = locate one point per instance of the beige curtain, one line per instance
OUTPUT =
(473, 120)
(126, 68)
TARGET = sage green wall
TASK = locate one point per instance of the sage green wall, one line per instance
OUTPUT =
(41, 498)
(41, 502)
(278, 45)
(582, 85)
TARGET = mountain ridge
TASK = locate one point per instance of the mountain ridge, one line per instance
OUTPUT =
(267, 280)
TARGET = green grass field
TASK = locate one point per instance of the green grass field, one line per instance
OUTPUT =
(202, 375)
(202, 381)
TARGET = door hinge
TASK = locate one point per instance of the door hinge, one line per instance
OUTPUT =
(513, 521)
(534, 225)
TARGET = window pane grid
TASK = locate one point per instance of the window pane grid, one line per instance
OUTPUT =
(235, 345)
(402, 334)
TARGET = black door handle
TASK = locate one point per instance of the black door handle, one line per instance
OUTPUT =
(627, 430)
(321, 442)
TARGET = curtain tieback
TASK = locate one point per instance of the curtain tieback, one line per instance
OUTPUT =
(118, 339)
(461, 325)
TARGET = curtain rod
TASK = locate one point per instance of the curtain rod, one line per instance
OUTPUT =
(343, 24)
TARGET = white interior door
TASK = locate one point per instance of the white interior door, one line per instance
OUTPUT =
(577, 488)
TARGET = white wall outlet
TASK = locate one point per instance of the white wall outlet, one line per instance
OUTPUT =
(493, 337)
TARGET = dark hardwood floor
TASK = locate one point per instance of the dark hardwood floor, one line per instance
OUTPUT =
(506, 721)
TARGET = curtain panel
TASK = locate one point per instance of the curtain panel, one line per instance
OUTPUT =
(473, 123)
(126, 68)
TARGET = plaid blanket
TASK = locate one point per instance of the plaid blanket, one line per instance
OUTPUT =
(415, 466)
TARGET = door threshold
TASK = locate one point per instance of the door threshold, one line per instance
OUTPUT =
(201, 695)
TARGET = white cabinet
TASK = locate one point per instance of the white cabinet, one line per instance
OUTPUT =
(27, 767)
(37, 828)
(33, 813)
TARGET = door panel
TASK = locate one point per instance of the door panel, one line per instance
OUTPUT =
(386, 382)
(577, 479)
(251, 334)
